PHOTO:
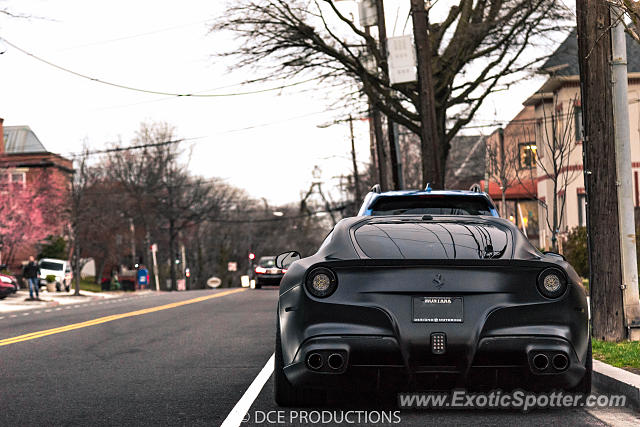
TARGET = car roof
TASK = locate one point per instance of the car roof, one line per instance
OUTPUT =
(433, 192)
(52, 260)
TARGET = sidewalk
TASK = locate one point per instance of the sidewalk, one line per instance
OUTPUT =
(20, 300)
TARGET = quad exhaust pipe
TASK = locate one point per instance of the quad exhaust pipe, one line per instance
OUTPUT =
(540, 361)
(335, 361)
(560, 362)
(549, 362)
(314, 361)
(326, 361)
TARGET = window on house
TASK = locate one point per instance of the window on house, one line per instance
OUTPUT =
(578, 123)
(18, 178)
(528, 152)
(582, 210)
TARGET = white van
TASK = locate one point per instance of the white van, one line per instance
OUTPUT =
(58, 268)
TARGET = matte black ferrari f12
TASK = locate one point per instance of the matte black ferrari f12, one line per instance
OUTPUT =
(429, 303)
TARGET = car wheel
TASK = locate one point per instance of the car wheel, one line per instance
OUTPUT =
(258, 285)
(283, 392)
(584, 386)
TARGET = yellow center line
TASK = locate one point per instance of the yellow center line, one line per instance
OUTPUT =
(99, 320)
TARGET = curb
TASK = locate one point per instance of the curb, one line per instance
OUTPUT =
(609, 379)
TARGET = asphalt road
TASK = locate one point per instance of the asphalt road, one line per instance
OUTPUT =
(168, 360)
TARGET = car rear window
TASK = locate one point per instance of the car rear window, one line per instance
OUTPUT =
(267, 262)
(48, 265)
(431, 204)
(433, 240)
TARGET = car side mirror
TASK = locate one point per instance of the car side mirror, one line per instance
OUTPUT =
(285, 259)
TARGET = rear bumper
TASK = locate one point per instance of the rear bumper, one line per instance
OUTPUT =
(269, 279)
(376, 361)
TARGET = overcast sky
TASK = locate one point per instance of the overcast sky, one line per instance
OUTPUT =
(166, 46)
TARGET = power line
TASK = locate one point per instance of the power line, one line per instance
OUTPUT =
(176, 141)
(132, 147)
(156, 92)
(132, 36)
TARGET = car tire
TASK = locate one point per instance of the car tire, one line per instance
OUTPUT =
(584, 386)
(258, 285)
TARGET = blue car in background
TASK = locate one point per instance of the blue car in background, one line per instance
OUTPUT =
(427, 202)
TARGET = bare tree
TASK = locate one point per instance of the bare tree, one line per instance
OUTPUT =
(555, 148)
(82, 217)
(631, 11)
(478, 48)
(503, 164)
(161, 191)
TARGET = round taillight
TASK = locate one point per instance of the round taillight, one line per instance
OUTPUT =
(552, 283)
(321, 282)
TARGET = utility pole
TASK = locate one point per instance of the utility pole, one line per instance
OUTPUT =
(356, 175)
(132, 228)
(630, 298)
(431, 167)
(154, 251)
(605, 272)
(183, 255)
(381, 153)
(396, 179)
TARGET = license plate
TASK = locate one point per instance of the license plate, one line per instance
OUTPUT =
(438, 309)
(273, 271)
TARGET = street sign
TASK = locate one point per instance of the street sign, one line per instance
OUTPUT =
(232, 266)
(252, 255)
(214, 282)
(368, 13)
(402, 60)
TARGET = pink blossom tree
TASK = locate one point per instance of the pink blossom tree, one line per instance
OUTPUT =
(31, 211)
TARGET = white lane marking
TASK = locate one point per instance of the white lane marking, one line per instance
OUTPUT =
(58, 309)
(37, 312)
(25, 314)
(235, 417)
(47, 311)
(1, 317)
(14, 315)
(67, 308)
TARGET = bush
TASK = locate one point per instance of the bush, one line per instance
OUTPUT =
(575, 250)
(55, 247)
(50, 278)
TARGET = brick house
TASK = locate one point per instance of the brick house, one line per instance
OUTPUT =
(26, 164)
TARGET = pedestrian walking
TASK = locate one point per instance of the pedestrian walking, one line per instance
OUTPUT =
(31, 272)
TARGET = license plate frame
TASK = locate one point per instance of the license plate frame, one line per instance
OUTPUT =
(437, 309)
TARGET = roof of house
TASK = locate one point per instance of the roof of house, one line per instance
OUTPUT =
(21, 139)
(564, 61)
(465, 162)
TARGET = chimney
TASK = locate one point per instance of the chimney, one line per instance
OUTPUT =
(1, 137)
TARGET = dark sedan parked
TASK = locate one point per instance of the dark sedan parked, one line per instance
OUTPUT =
(429, 303)
(266, 273)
